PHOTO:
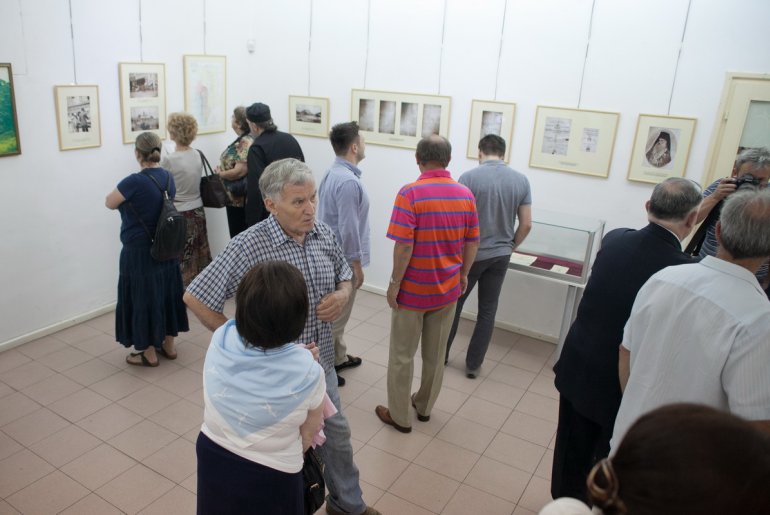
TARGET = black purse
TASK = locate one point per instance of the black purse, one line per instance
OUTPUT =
(213, 192)
(314, 486)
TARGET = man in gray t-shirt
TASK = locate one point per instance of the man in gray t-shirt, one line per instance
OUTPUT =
(502, 194)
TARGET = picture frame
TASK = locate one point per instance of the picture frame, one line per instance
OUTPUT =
(205, 91)
(309, 116)
(490, 117)
(650, 161)
(142, 99)
(399, 119)
(78, 119)
(573, 140)
(10, 143)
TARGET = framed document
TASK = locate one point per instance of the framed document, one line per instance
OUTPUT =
(488, 117)
(205, 91)
(10, 145)
(661, 148)
(142, 99)
(77, 116)
(309, 116)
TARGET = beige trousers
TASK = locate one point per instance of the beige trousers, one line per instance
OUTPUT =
(338, 331)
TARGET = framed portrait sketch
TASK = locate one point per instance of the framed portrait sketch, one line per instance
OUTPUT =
(661, 148)
(399, 119)
(489, 117)
(573, 140)
(77, 116)
(205, 91)
(142, 99)
(309, 116)
(10, 145)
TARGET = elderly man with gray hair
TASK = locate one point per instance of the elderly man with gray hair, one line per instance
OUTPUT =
(292, 234)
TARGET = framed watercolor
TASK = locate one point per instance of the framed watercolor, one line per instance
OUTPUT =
(10, 144)
(661, 148)
(142, 99)
(205, 91)
(399, 119)
(490, 117)
(573, 140)
(309, 116)
(77, 116)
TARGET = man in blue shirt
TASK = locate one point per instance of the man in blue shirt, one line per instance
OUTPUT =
(344, 206)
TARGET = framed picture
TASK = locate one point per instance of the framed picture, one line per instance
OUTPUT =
(573, 140)
(489, 117)
(205, 91)
(142, 99)
(9, 125)
(309, 116)
(399, 119)
(77, 116)
(661, 148)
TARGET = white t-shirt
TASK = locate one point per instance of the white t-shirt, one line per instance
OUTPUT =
(186, 167)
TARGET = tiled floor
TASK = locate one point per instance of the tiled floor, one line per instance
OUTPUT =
(81, 432)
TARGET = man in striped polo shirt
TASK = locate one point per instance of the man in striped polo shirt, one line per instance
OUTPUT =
(436, 232)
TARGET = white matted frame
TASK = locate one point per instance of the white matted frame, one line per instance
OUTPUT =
(399, 119)
(490, 117)
(77, 116)
(205, 91)
(142, 99)
(661, 148)
(309, 116)
(573, 140)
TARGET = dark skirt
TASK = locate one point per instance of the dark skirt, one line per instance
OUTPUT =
(231, 485)
(197, 254)
(150, 305)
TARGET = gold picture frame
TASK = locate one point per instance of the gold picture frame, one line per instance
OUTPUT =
(142, 99)
(309, 116)
(10, 143)
(490, 117)
(78, 119)
(205, 91)
(650, 161)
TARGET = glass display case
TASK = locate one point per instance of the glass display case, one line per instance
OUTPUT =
(560, 246)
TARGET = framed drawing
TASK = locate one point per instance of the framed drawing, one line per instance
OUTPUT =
(489, 117)
(573, 140)
(77, 116)
(661, 148)
(205, 91)
(309, 116)
(9, 125)
(399, 119)
(142, 99)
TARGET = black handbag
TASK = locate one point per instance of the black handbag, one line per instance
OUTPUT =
(213, 191)
(313, 478)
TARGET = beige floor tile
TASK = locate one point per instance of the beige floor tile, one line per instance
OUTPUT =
(497, 350)
(118, 386)
(546, 465)
(380, 319)
(539, 406)
(196, 398)
(77, 333)
(363, 424)
(180, 417)
(536, 495)
(389, 503)
(369, 398)
(544, 386)
(11, 359)
(21, 470)
(356, 444)
(135, 489)
(447, 459)
(51, 494)
(97, 346)
(79, 404)
(153, 374)
(8, 446)
(367, 331)
(178, 501)
(371, 493)
(361, 312)
(438, 419)
(523, 360)
(26, 375)
(65, 445)
(515, 452)
(379, 468)
(15, 406)
(191, 483)
(91, 505)
(358, 346)
(52, 389)
(192, 435)
(117, 357)
(143, 439)
(64, 359)
(39, 348)
(512, 376)
(498, 479)
(377, 354)
(352, 390)
(196, 366)
(530, 428)
(188, 353)
(90, 372)
(455, 378)
(424, 488)
(98, 466)
(467, 434)
(7, 509)
(468, 500)
(148, 400)
(35, 426)
(182, 382)
(176, 461)
(104, 323)
(368, 373)
(398, 444)
(484, 412)
(372, 300)
(449, 399)
(5, 389)
(109, 421)
(499, 393)
(523, 511)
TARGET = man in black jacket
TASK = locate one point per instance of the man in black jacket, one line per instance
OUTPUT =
(269, 145)
(587, 370)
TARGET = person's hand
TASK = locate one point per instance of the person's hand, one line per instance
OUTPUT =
(358, 277)
(725, 188)
(314, 350)
(331, 306)
(392, 294)
(463, 284)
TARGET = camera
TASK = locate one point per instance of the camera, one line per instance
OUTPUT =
(745, 180)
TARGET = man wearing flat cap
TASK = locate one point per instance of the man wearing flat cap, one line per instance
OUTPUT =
(269, 145)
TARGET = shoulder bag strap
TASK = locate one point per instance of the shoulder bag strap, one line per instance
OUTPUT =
(207, 170)
(693, 248)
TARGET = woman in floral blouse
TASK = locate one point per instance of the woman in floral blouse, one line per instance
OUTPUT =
(232, 169)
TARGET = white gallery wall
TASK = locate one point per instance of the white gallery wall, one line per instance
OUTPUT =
(60, 245)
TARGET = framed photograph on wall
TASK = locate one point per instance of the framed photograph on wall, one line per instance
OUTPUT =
(10, 145)
(205, 91)
(309, 116)
(661, 148)
(490, 117)
(399, 119)
(77, 116)
(573, 140)
(142, 99)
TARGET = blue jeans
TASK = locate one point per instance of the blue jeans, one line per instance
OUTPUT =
(340, 473)
(489, 274)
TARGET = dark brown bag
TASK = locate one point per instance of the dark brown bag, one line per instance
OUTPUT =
(213, 191)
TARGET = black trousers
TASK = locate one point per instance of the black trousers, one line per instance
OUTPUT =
(580, 443)
(236, 220)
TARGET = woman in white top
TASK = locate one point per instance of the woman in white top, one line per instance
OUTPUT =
(263, 398)
(185, 165)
